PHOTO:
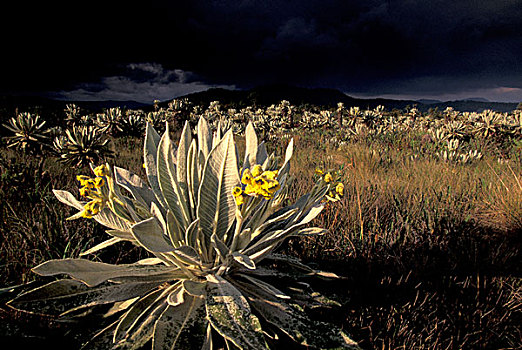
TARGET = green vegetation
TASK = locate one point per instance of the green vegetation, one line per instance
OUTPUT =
(426, 237)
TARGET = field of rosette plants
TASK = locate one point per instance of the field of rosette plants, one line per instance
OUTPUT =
(218, 227)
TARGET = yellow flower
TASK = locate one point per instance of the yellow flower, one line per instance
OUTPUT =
(101, 170)
(340, 189)
(85, 191)
(270, 175)
(328, 177)
(92, 208)
(99, 182)
(260, 183)
(237, 191)
(239, 200)
(247, 177)
(85, 181)
(319, 171)
(257, 170)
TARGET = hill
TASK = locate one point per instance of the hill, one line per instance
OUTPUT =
(273, 94)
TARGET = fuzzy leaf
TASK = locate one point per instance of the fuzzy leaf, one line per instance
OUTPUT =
(204, 137)
(216, 205)
(230, 315)
(148, 233)
(143, 330)
(101, 246)
(150, 151)
(137, 187)
(172, 329)
(93, 273)
(63, 296)
(66, 197)
(295, 323)
(251, 146)
(188, 255)
(244, 260)
(131, 317)
(166, 163)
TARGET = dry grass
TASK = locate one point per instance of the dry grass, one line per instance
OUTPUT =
(430, 249)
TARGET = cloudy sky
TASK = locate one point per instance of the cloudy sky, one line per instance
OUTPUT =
(442, 49)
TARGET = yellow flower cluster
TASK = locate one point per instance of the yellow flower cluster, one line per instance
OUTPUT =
(337, 190)
(95, 189)
(259, 183)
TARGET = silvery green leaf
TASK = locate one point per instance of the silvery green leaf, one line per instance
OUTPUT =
(191, 234)
(251, 146)
(208, 343)
(245, 236)
(149, 261)
(130, 317)
(93, 273)
(183, 152)
(193, 173)
(172, 328)
(204, 137)
(271, 240)
(119, 209)
(274, 222)
(156, 212)
(102, 339)
(269, 162)
(150, 152)
(216, 137)
(124, 235)
(143, 332)
(107, 218)
(66, 197)
(119, 306)
(244, 260)
(102, 245)
(183, 170)
(262, 154)
(137, 187)
(295, 323)
(216, 205)
(230, 315)
(291, 261)
(60, 296)
(267, 287)
(148, 233)
(285, 168)
(166, 163)
(194, 288)
(188, 255)
(221, 248)
(176, 296)
(174, 229)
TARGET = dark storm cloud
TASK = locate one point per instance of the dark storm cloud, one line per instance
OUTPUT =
(142, 82)
(366, 47)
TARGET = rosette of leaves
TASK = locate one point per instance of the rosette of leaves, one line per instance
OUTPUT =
(132, 125)
(30, 133)
(213, 278)
(82, 146)
(110, 121)
(72, 114)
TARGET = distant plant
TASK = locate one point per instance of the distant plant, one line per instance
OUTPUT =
(212, 229)
(29, 133)
(110, 122)
(132, 125)
(81, 146)
(72, 114)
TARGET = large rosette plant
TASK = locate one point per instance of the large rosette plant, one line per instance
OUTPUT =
(212, 229)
